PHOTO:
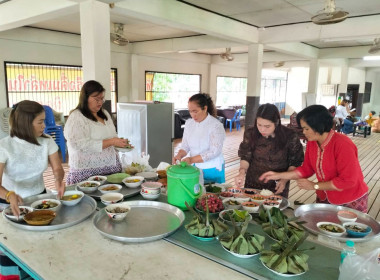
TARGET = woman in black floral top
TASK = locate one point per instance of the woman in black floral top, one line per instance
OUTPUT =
(266, 146)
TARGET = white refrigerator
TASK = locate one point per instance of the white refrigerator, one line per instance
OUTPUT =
(149, 127)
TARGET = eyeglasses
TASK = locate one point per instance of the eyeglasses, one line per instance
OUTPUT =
(99, 100)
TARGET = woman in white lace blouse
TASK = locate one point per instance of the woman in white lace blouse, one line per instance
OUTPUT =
(91, 137)
(203, 139)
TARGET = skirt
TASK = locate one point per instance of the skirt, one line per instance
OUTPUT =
(361, 204)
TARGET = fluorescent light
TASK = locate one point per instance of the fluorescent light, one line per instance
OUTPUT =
(348, 38)
(371, 57)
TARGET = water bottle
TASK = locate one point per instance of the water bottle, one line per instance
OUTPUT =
(348, 249)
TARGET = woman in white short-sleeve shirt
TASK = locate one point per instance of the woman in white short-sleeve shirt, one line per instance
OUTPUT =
(91, 137)
(203, 139)
(25, 154)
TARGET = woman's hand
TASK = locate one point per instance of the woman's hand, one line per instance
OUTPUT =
(280, 186)
(60, 187)
(270, 175)
(240, 179)
(177, 157)
(15, 200)
(305, 184)
(119, 142)
(188, 160)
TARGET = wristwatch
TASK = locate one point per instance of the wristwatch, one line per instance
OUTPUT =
(316, 187)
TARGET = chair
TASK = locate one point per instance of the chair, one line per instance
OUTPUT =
(55, 131)
(235, 119)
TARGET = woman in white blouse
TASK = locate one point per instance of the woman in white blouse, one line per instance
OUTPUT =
(91, 137)
(203, 139)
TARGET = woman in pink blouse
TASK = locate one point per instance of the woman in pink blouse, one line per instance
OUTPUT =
(333, 157)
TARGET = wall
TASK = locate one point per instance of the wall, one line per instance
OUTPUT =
(374, 105)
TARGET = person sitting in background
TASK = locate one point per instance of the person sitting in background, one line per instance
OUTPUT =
(203, 138)
(91, 137)
(342, 112)
(376, 124)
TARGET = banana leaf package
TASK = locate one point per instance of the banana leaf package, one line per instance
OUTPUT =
(241, 242)
(285, 257)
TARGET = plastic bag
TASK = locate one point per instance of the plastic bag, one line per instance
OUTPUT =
(138, 163)
(363, 267)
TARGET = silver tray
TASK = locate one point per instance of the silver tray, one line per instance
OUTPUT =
(284, 203)
(146, 221)
(127, 192)
(67, 216)
(319, 212)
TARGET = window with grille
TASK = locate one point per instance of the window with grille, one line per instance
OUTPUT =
(171, 87)
(231, 91)
(57, 86)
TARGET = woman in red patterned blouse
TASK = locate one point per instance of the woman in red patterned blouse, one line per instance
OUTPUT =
(333, 157)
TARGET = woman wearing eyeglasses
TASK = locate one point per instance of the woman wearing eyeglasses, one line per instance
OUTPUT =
(91, 137)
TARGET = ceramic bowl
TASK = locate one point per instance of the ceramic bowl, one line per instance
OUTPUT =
(71, 198)
(109, 188)
(239, 255)
(347, 216)
(23, 211)
(151, 187)
(150, 196)
(357, 229)
(258, 198)
(268, 204)
(231, 203)
(150, 176)
(241, 197)
(111, 198)
(225, 219)
(251, 191)
(88, 186)
(234, 190)
(42, 203)
(333, 231)
(224, 195)
(117, 212)
(265, 192)
(117, 178)
(134, 181)
(40, 218)
(277, 198)
(98, 178)
(250, 206)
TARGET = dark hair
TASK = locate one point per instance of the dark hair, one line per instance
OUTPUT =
(270, 112)
(317, 117)
(21, 120)
(89, 88)
(204, 99)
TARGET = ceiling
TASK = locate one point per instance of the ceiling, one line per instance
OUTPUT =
(269, 17)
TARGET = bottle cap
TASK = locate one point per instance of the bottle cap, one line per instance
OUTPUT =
(350, 243)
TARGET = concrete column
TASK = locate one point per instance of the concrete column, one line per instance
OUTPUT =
(255, 62)
(95, 41)
(343, 77)
(313, 82)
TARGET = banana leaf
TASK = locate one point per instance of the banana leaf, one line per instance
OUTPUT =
(226, 240)
(278, 264)
(240, 244)
(193, 226)
(255, 243)
(297, 263)
(219, 227)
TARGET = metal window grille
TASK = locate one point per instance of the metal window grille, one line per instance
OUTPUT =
(57, 86)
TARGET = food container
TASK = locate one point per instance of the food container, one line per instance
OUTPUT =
(241, 197)
(358, 230)
(88, 186)
(117, 212)
(250, 206)
(183, 185)
(71, 198)
(98, 178)
(110, 188)
(40, 218)
(268, 204)
(134, 181)
(336, 229)
(23, 211)
(111, 198)
(234, 190)
(46, 204)
(231, 203)
(150, 196)
(151, 187)
(258, 198)
(346, 216)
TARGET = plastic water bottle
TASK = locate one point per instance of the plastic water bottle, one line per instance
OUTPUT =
(348, 249)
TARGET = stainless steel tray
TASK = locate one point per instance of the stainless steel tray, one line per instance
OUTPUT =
(318, 212)
(67, 216)
(284, 203)
(146, 221)
(127, 192)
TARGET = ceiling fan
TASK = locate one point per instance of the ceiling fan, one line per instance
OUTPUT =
(375, 47)
(330, 14)
(227, 55)
(279, 64)
(117, 37)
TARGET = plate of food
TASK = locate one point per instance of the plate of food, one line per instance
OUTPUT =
(125, 149)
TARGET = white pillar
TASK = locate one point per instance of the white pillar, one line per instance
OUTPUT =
(95, 41)
(343, 77)
(312, 89)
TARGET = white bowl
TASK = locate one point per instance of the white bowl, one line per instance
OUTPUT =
(117, 216)
(227, 205)
(148, 175)
(268, 204)
(74, 201)
(133, 184)
(94, 184)
(250, 206)
(255, 197)
(329, 232)
(241, 197)
(346, 216)
(109, 188)
(275, 198)
(239, 255)
(98, 178)
(111, 198)
(150, 196)
(43, 201)
(151, 187)
(8, 213)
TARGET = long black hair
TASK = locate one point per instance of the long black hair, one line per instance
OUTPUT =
(269, 112)
(89, 88)
(204, 99)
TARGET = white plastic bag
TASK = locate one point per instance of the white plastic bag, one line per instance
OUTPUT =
(136, 163)
(363, 267)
